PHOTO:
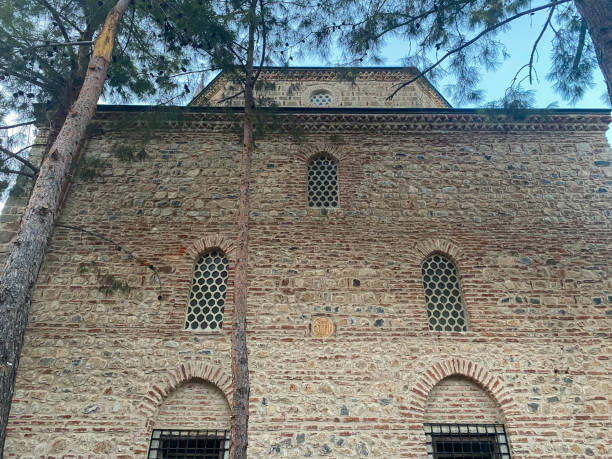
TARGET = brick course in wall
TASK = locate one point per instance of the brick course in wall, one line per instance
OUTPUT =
(522, 208)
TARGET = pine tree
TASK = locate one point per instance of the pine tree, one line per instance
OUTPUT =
(43, 60)
(74, 83)
(461, 35)
(248, 35)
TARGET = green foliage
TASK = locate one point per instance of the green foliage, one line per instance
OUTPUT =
(46, 45)
(88, 169)
(110, 284)
(432, 28)
(128, 154)
(19, 189)
(573, 59)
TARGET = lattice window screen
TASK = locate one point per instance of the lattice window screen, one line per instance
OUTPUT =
(207, 297)
(445, 310)
(322, 182)
(321, 99)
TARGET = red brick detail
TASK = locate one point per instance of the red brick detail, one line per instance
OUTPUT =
(492, 385)
(208, 243)
(185, 372)
(425, 248)
(310, 150)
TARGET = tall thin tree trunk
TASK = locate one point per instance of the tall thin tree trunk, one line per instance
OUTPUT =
(240, 358)
(598, 16)
(23, 264)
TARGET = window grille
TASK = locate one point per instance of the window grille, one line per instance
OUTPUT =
(321, 98)
(445, 311)
(184, 444)
(207, 296)
(322, 182)
(473, 441)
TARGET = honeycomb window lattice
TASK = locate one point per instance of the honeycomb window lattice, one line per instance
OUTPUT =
(445, 309)
(322, 182)
(321, 99)
(207, 295)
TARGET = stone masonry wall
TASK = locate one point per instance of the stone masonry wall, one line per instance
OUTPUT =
(294, 88)
(524, 213)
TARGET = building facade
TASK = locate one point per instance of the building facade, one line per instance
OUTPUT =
(423, 280)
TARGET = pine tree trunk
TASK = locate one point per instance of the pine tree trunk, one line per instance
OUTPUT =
(240, 358)
(21, 269)
(598, 16)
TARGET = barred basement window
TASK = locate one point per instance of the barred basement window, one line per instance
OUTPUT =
(207, 297)
(322, 182)
(182, 444)
(445, 311)
(321, 98)
(473, 441)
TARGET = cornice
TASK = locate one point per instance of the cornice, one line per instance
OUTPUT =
(371, 122)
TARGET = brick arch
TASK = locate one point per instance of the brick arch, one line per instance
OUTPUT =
(424, 249)
(491, 384)
(208, 243)
(312, 149)
(187, 371)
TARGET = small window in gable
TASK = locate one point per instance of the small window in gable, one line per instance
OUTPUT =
(321, 98)
(207, 296)
(322, 182)
(445, 310)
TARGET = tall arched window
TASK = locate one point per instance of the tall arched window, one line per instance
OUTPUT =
(445, 310)
(322, 182)
(207, 296)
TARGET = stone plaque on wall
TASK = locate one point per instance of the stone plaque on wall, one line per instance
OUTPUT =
(322, 327)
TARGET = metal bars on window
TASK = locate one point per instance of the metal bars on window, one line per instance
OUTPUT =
(473, 441)
(322, 182)
(189, 444)
(207, 296)
(445, 311)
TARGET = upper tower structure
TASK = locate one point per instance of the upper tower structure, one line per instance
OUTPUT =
(321, 87)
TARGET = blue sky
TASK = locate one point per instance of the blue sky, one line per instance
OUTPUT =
(519, 41)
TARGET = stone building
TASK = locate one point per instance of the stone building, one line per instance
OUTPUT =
(422, 279)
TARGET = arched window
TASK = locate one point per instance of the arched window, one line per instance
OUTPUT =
(207, 296)
(322, 182)
(445, 311)
(321, 98)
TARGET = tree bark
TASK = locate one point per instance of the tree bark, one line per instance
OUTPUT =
(240, 358)
(23, 264)
(598, 16)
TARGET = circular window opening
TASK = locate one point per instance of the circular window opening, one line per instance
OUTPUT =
(321, 98)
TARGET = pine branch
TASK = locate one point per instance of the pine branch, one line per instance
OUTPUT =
(233, 96)
(263, 36)
(55, 15)
(11, 171)
(16, 156)
(535, 45)
(580, 48)
(468, 43)
(131, 255)
(26, 123)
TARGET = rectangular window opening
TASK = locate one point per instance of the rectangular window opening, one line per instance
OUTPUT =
(189, 444)
(467, 441)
